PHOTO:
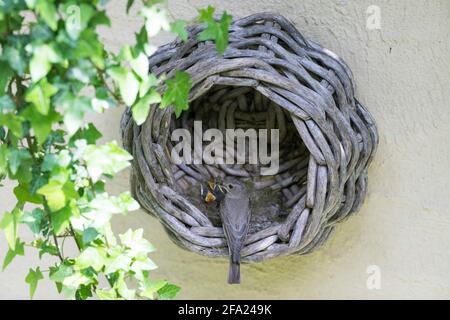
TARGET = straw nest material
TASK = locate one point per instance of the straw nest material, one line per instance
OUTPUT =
(269, 77)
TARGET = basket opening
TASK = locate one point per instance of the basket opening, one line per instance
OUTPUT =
(274, 192)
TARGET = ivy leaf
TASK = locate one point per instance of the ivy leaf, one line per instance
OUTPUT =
(137, 245)
(45, 247)
(179, 28)
(6, 103)
(5, 75)
(57, 194)
(89, 235)
(149, 288)
(129, 5)
(128, 83)
(141, 39)
(88, 133)
(59, 273)
(53, 192)
(141, 109)
(41, 62)
(168, 292)
(78, 17)
(107, 159)
(140, 65)
(12, 122)
(34, 220)
(106, 294)
(9, 224)
(41, 124)
(217, 31)
(39, 95)
(47, 10)
(16, 157)
(4, 151)
(11, 254)
(60, 219)
(74, 110)
(23, 194)
(155, 20)
(32, 279)
(15, 59)
(88, 46)
(177, 92)
(91, 257)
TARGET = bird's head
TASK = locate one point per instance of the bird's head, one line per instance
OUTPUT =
(234, 188)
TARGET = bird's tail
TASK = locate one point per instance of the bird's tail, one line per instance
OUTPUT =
(234, 273)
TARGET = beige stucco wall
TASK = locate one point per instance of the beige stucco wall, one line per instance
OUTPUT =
(403, 76)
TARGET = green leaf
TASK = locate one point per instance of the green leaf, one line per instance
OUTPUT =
(84, 292)
(137, 245)
(141, 109)
(23, 194)
(41, 124)
(89, 235)
(90, 47)
(88, 133)
(39, 95)
(155, 20)
(54, 193)
(50, 161)
(74, 110)
(129, 5)
(32, 279)
(6, 103)
(46, 247)
(106, 294)
(168, 292)
(91, 257)
(217, 31)
(121, 262)
(12, 122)
(16, 157)
(128, 83)
(5, 76)
(60, 219)
(141, 39)
(41, 62)
(47, 10)
(107, 159)
(11, 254)
(122, 288)
(177, 92)
(149, 288)
(15, 59)
(140, 65)
(78, 17)
(10, 228)
(179, 28)
(59, 273)
(34, 220)
(4, 152)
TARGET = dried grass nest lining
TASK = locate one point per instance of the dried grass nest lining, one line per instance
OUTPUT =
(270, 76)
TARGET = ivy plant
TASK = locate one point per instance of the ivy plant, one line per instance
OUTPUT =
(54, 70)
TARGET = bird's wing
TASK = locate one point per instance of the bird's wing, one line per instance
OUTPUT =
(235, 216)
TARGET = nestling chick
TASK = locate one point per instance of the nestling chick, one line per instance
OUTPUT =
(235, 214)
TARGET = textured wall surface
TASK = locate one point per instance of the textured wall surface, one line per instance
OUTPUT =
(402, 73)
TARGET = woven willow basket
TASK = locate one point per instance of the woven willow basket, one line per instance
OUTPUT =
(269, 77)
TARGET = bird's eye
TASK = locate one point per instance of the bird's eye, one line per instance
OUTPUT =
(230, 186)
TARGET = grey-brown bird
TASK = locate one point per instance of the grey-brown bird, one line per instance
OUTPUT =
(235, 214)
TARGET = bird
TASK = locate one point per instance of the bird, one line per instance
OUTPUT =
(212, 191)
(235, 214)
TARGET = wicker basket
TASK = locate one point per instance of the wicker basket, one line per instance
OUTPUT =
(269, 77)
